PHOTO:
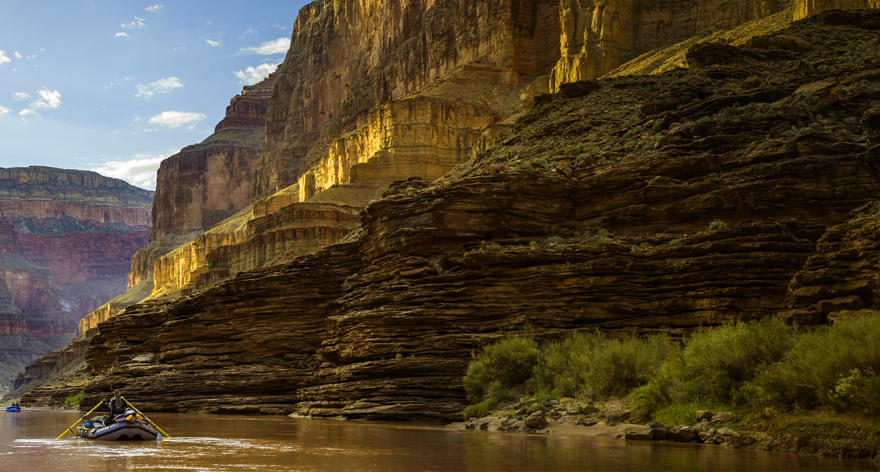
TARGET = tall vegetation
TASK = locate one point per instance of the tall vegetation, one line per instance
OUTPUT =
(759, 366)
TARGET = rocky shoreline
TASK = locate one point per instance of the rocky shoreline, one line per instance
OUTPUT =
(712, 428)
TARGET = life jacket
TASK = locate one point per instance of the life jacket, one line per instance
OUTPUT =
(118, 405)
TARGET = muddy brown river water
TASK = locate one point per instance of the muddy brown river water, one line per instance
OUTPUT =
(257, 443)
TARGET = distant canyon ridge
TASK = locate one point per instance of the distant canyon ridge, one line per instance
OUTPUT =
(66, 241)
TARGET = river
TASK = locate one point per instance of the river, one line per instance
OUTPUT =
(249, 443)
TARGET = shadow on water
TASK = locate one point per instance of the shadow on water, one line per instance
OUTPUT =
(220, 443)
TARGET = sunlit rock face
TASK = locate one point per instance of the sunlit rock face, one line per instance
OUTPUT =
(805, 8)
(600, 35)
(348, 58)
(660, 203)
(205, 183)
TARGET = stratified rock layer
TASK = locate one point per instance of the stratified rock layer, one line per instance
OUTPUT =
(45, 192)
(206, 183)
(66, 239)
(659, 203)
(346, 59)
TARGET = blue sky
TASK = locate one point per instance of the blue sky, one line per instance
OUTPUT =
(115, 86)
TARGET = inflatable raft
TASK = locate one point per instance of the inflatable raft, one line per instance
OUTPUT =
(128, 427)
(13, 409)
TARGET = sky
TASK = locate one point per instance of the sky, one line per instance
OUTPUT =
(116, 86)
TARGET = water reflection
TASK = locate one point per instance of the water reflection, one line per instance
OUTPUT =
(215, 443)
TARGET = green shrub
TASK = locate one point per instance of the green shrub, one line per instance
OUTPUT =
(479, 410)
(500, 367)
(834, 366)
(74, 399)
(593, 365)
(715, 364)
(486, 246)
(716, 225)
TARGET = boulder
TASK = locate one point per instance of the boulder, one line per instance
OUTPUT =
(536, 420)
(725, 417)
(731, 438)
(704, 415)
(578, 89)
(639, 432)
(682, 434)
(586, 422)
(705, 430)
(660, 432)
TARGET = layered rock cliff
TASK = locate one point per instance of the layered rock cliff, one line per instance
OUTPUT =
(66, 239)
(206, 183)
(347, 59)
(736, 189)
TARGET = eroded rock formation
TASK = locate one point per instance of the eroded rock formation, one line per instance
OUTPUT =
(206, 183)
(347, 59)
(66, 238)
(658, 203)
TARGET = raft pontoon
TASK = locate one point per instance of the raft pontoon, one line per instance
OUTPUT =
(127, 427)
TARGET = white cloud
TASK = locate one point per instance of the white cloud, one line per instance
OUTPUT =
(140, 170)
(247, 32)
(137, 23)
(4, 57)
(122, 35)
(17, 55)
(30, 57)
(280, 26)
(154, 8)
(158, 87)
(26, 112)
(176, 118)
(214, 43)
(48, 99)
(116, 82)
(252, 74)
(4, 111)
(21, 95)
(42, 50)
(279, 46)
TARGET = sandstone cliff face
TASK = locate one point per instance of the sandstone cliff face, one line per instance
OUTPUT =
(206, 183)
(347, 59)
(66, 238)
(45, 192)
(659, 203)
(248, 110)
(805, 8)
(598, 36)
(433, 108)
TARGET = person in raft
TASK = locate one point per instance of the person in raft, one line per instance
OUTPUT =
(116, 404)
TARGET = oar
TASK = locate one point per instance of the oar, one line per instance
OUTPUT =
(77, 421)
(148, 420)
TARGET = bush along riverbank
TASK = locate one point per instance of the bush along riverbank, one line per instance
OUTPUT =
(761, 384)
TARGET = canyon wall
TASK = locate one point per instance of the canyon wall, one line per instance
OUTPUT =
(347, 58)
(198, 189)
(358, 138)
(741, 188)
(66, 239)
(206, 183)
(599, 35)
